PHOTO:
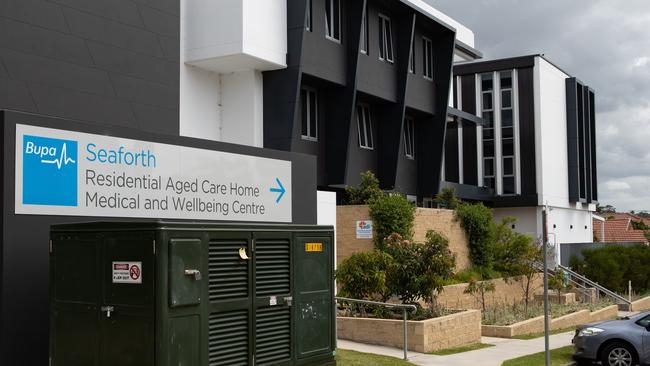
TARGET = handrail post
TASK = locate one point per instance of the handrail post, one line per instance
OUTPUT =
(406, 343)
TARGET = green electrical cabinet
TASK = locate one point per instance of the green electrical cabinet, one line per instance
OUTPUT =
(191, 294)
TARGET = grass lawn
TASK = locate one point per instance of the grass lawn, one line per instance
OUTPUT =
(352, 358)
(559, 357)
(453, 351)
(541, 334)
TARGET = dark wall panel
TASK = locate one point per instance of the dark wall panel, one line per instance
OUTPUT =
(470, 155)
(451, 153)
(468, 93)
(102, 62)
(527, 132)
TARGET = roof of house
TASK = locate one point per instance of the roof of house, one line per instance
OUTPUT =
(618, 230)
(626, 215)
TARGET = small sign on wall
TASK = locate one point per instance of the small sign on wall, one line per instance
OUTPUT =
(364, 229)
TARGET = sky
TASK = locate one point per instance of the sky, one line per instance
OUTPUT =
(605, 44)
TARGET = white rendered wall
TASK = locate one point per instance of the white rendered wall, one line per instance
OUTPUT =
(326, 212)
(551, 135)
(571, 225)
(463, 33)
(529, 219)
(221, 98)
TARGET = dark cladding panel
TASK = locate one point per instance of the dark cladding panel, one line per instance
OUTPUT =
(592, 121)
(587, 143)
(451, 153)
(527, 131)
(572, 139)
(468, 93)
(470, 154)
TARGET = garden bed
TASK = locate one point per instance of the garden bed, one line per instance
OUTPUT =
(560, 320)
(459, 329)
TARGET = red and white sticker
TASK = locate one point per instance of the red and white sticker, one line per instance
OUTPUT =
(127, 272)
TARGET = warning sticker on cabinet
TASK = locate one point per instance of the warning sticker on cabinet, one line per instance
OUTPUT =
(127, 272)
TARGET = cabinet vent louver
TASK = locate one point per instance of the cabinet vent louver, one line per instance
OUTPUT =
(273, 266)
(228, 338)
(273, 335)
(228, 273)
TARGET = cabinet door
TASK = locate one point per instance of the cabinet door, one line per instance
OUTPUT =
(127, 307)
(314, 292)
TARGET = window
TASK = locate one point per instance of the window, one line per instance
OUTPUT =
(385, 39)
(427, 58)
(507, 132)
(487, 103)
(333, 20)
(364, 126)
(412, 60)
(363, 42)
(308, 19)
(309, 109)
(409, 137)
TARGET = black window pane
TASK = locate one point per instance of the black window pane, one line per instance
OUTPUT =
(488, 133)
(487, 100)
(389, 40)
(328, 17)
(506, 79)
(508, 147)
(382, 53)
(337, 19)
(488, 148)
(488, 182)
(506, 99)
(488, 119)
(313, 115)
(509, 185)
(506, 118)
(303, 105)
(488, 167)
(506, 132)
(508, 166)
(486, 82)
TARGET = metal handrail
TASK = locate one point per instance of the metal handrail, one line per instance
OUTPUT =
(607, 292)
(404, 307)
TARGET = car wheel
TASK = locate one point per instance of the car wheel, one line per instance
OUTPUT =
(618, 354)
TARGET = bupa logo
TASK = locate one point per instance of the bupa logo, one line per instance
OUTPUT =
(365, 225)
(49, 171)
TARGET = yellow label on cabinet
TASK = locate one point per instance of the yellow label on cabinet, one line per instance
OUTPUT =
(313, 247)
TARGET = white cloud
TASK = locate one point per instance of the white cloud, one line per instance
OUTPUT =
(616, 185)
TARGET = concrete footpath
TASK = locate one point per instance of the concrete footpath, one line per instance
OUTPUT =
(504, 349)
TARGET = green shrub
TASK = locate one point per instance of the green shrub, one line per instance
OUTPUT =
(447, 199)
(510, 248)
(364, 275)
(391, 214)
(367, 190)
(613, 266)
(475, 272)
(478, 223)
(420, 268)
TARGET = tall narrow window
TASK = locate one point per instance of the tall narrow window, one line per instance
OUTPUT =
(363, 42)
(309, 109)
(409, 137)
(364, 126)
(333, 20)
(487, 101)
(427, 58)
(412, 60)
(308, 18)
(507, 132)
(385, 39)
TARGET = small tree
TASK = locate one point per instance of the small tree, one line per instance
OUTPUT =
(447, 198)
(391, 214)
(420, 269)
(367, 190)
(558, 283)
(478, 289)
(364, 275)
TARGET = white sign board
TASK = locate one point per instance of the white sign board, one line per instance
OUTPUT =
(127, 272)
(364, 229)
(70, 173)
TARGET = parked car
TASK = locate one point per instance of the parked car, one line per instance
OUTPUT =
(622, 342)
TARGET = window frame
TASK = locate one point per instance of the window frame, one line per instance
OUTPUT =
(511, 108)
(409, 137)
(364, 41)
(427, 58)
(412, 60)
(366, 123)
(493, 139)
(386, 39)
(328, 27)
(309, 19)
(309, 91)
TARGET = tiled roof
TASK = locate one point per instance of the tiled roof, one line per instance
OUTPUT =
(618, 231)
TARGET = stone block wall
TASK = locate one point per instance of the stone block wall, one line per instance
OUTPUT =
(441, 221)
(429, 335)
(507, 292)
